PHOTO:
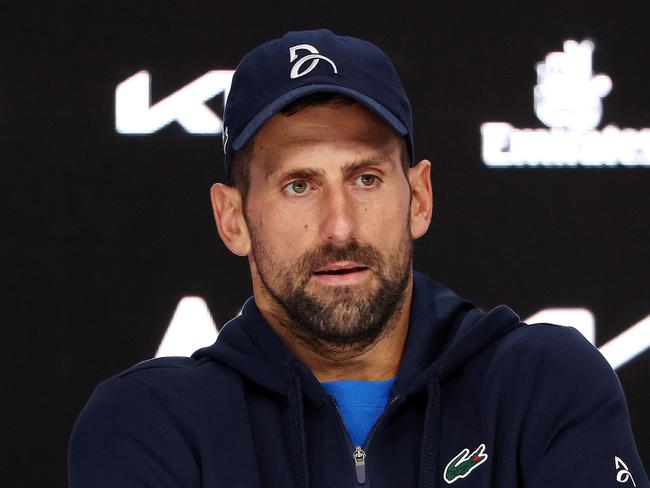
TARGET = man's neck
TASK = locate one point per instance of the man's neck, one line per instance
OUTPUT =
(379, 361)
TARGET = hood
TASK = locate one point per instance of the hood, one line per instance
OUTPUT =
(445, 331)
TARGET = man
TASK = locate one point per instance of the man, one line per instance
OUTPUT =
(347, 368)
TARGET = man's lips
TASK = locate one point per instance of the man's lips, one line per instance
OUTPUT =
(341, 267)
(341, 273)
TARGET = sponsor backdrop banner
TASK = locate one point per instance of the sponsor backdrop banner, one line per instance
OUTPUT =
(537, 120)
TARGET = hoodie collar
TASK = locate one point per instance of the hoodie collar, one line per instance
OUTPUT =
(248, 344)
(445, 330)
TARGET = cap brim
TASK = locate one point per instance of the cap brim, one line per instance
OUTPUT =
(275, 106)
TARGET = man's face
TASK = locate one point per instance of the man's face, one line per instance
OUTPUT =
(328, 217)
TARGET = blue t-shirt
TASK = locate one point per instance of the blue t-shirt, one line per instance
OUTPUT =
(360, 404)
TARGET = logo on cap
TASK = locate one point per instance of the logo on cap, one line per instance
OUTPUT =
(314, 57)
(623, 474)
(224, 138)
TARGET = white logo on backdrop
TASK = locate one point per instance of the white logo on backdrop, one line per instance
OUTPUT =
(314, 57)
(134, 113)
(568, 100)
(567, 94)
(191, 328)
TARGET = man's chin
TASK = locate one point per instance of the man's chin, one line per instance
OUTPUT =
(354, 297)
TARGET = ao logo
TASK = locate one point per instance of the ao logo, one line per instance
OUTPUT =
(314, 57)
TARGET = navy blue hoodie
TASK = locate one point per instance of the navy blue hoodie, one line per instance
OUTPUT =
(480, 400)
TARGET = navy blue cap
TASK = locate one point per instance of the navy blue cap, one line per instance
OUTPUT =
(300, 63)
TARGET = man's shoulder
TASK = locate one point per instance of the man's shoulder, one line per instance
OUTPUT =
(162, 371)
(544, 336)
(168, 382)
(154, 412)
(164, 367)
(546, 340)
(554, 358)
(548, 343)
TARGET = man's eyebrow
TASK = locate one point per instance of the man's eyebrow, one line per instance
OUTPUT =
(354, 166)
(295, 173)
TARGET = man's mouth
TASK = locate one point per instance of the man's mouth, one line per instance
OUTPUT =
(341, 273)
(340, 268)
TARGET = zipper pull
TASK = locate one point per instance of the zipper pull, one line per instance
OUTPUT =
(360, 464)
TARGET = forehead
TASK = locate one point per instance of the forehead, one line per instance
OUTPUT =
(324, 134)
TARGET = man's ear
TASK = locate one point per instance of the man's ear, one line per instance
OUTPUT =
(227, 205)
(421, 198)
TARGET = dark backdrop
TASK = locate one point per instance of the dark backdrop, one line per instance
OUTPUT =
(104, 233)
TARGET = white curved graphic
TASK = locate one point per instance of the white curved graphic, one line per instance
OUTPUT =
(314, 57)
(623, 474)
(627, 345)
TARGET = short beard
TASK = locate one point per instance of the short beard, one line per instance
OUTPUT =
(349, 319)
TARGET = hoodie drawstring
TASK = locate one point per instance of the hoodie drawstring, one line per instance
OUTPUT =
(297, 428)
(431, 436)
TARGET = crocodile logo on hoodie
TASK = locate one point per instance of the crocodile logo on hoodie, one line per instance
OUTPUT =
(463, 463)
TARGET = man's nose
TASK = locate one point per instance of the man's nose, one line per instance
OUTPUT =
(338, 222)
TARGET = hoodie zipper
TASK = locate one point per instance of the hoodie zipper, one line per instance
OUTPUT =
(358, 453)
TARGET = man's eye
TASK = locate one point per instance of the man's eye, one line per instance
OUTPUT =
(297, 187)
(367, 180)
